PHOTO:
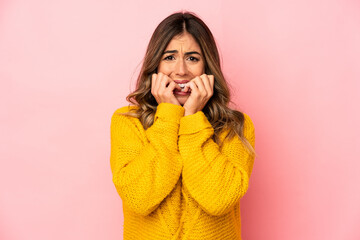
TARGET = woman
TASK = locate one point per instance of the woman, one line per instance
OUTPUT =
(181, 158)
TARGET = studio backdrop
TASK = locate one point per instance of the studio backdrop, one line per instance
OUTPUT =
(66, 66)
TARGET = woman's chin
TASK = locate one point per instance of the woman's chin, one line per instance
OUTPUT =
(181, 99)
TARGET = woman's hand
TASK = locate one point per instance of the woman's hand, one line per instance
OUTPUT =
(162, 88)
(202, 88)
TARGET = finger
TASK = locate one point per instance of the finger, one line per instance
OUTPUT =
(194, 88)
(172, 85)
(153, 83)
(207, 84)
(200, 83)
(161, 83)
(164, 82)
(157, 82)
(212, 81)
(186, 88)
(153, 79)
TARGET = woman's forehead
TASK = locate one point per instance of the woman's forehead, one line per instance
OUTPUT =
(183, 43)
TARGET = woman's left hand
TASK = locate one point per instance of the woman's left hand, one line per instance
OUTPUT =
(202, 88)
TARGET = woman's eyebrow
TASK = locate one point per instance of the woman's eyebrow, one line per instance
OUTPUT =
(176, 51)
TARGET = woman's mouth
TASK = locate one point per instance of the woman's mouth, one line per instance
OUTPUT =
(182, 91)
(177, 92)
(182, 84)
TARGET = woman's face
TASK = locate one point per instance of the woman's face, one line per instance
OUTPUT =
(182, 61)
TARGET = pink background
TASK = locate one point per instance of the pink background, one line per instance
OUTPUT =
(65, 66)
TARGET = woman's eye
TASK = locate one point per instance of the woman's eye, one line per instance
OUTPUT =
(169, 58)
(193, 59)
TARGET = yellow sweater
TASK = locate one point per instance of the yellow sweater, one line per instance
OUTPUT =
(174, 181)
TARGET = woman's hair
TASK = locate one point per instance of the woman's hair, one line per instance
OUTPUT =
(216, 110)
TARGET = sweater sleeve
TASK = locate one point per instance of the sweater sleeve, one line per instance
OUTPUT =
(216, 179)
(145, 164)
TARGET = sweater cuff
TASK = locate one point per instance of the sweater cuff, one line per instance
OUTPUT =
(194, 123)
(169, 112)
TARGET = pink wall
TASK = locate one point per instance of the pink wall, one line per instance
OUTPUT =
(65, 66)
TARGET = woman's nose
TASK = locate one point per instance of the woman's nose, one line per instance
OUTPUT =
(181, 68)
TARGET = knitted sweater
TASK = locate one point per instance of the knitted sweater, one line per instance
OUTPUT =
(174, 180)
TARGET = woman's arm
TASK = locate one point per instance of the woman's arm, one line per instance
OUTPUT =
(215, 179)
(146, 164)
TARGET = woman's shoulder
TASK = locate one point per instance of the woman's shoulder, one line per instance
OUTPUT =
(124, 114)
(123, 118)
(247, 121)
(125, 109)
(248, 128)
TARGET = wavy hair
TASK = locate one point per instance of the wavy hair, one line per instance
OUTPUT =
(216, 110)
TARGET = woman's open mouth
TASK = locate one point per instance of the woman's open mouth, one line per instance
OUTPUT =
(182, 91)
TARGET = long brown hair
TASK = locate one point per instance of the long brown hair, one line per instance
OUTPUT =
(216, 110)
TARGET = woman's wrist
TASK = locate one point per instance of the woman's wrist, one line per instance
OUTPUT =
(189, 112)
(169, 112)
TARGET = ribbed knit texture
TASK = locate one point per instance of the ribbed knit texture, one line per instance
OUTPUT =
(174, 181)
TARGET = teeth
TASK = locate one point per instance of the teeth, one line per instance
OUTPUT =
(182, 85)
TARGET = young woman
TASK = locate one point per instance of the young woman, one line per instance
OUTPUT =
(181, 159)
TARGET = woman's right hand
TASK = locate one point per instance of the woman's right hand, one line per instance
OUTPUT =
(162, 88)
